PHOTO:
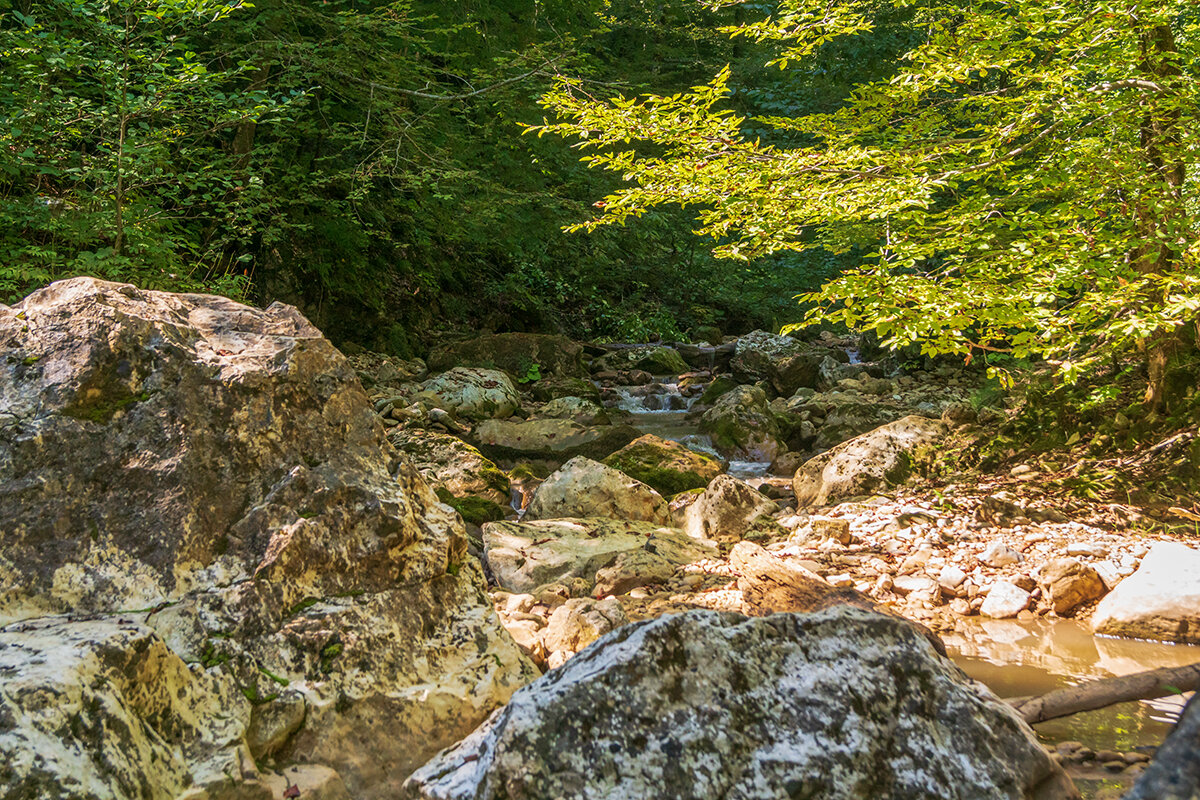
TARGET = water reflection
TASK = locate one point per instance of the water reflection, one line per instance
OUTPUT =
(1015, 659)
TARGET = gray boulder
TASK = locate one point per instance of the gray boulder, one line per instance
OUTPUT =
(843, 704)
(742, 426)
(867, 463)
(473, 392)
(586, 488)
(730, 510)
(552, 439)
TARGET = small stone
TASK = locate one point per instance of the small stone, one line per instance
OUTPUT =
(1093, 549)
(907, 584)
(1068, 747)
(831, 528)
(916, 560)
(951, 577)
(1019, 470)
(1115, 766)
(840, 580)
(1004, 600)
(999, 555)
(1137, 758)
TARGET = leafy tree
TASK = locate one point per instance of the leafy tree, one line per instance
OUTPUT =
(109, 149)
(1021, 179)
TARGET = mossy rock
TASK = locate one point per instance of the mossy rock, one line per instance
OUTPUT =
(720, 385)
(654, 359)
(664, 465)
(708, 334)
(474, 510)
(515, 353)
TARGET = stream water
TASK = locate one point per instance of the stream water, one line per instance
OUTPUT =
(1012, 658)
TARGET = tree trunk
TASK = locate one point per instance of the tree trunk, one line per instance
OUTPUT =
(1160, 138)
(1106, 692)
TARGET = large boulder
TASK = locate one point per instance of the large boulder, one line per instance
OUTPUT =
(474, 393)
(525, 555)
(554, 387)
(586, 488)
(667, 466)
(515, 353)
(448, 462)
(655, 359)
(1159, 601)
(742, 426)
(842, 704)
(221, 468)
(553, 439)
(841, 415)
(1069, 583)
(870, 462)
(730, 510)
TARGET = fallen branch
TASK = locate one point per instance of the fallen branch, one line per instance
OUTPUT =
(1106, 692)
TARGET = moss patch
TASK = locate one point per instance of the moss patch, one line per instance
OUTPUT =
(474, 510)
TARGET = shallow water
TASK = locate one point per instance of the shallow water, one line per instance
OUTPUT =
(1016, 659)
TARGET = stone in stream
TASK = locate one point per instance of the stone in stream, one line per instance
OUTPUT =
(742, 425)
(515, 353)
(523, 556)
(865, 464)
(1159, 601)
(578, 409)
(668, 466)
(655, 359)
(473, 392)
(843, 704)
(220, 469)
(586, 488)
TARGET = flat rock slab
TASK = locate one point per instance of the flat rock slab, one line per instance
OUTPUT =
(843, 704)
(559, 439)
(525, 555)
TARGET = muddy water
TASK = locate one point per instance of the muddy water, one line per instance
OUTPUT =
(1015, 659)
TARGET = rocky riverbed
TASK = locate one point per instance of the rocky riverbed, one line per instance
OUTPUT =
(248, 566)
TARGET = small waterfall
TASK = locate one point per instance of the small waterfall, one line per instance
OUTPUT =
(654, 398)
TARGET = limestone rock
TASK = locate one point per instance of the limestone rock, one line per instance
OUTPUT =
(998, 555)
(730, 510)
(221, 467)
(579, 622)
(449, 462)
(579, 409)
(742, 425)
(1069, 584)
(586, 488)
(839, 705)
(474, 392)
(667, 466)
(1004, 600)
(104, 709)
(1159, 601)
(515, 353)
(551, 439)
(631, 570)
(867, 463)
(523, 556)
(554, 387)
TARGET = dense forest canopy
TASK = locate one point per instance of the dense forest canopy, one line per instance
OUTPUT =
(1024, 183)
(363, 160)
